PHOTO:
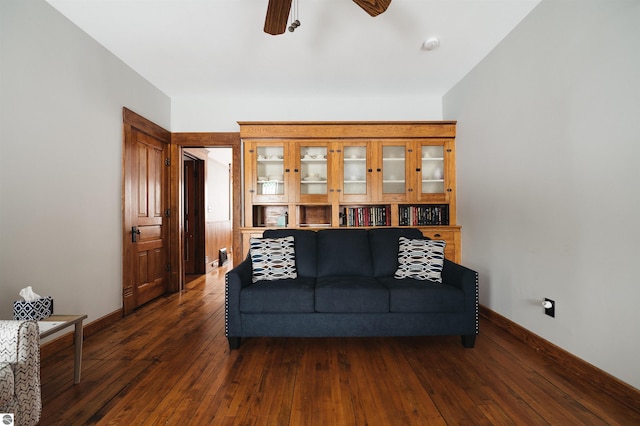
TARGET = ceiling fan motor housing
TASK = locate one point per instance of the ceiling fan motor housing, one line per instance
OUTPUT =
(278, 14)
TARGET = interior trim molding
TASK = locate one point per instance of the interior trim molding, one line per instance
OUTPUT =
(66, 340)
(131, 118)
(598, 378)
(208, 140)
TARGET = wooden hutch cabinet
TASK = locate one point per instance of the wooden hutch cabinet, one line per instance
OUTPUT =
(350, 174)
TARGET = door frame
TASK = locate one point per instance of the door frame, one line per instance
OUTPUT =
(176, 184)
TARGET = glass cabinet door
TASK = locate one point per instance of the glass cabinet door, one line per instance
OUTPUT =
(433, 176)
(354, 172)
(313, 172)
(270, 172)
(394, 184)
(432, 181)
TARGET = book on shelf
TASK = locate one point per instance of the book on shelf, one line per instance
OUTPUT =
(366, 216)
(423, 215)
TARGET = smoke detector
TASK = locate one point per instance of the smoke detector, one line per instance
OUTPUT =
(430, 44)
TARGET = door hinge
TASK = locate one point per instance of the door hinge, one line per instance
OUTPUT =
(168, 267)
(167, 213)
(167, 161)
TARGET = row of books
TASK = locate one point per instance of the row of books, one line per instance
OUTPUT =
(366, 216)
(423, 215)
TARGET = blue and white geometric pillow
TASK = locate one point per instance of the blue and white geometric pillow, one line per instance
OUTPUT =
(273, 258)
(420, 259)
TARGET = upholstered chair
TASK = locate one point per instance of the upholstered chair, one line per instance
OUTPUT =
(20, 371)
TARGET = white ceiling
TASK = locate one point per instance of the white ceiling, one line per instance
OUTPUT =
(218, 47)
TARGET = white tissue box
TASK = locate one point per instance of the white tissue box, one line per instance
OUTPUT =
(36, 310)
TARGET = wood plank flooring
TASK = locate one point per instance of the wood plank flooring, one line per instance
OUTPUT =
(169, 363)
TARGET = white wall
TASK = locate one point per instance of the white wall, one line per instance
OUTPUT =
(548, 177)
(218, 193)
(61, 99)
(199, 114)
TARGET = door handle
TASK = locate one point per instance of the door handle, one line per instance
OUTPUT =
(134, 234)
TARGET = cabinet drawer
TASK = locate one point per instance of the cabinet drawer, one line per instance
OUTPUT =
(439, 235)
(451, 236)
(246, 237)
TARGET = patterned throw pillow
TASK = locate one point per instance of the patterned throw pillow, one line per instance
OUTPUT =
(420, 259)
(272, 258)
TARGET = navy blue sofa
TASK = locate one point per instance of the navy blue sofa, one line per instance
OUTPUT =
(346, 287)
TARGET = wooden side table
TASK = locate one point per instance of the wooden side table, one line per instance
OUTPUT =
(55, 323)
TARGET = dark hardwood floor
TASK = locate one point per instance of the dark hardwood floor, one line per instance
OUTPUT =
(169, 363)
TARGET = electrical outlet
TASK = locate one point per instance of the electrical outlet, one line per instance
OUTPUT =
(549, 307)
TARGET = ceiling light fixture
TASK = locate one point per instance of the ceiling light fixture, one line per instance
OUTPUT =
(431, 44)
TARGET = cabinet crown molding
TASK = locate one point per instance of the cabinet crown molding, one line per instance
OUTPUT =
(347, 129)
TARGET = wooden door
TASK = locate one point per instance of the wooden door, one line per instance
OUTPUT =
(189, 214)
(193, 214)
(145, 256)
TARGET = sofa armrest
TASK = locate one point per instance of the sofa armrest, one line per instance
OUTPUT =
(20, 348)
(235, 280)
(467, 280)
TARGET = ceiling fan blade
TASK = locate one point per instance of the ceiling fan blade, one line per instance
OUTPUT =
(277, 16)
(373, 7)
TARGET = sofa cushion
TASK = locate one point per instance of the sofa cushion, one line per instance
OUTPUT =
(410, 295)
(279, 296)
(344, 252)
(349, 294)
(272, 258)
(384, 243)
(305, 248)
(420, 259)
